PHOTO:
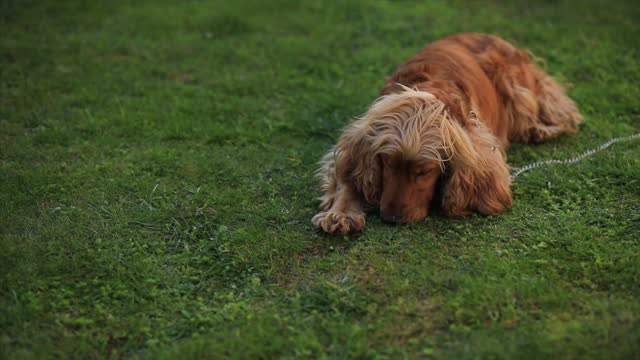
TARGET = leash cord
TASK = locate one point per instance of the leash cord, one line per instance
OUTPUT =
(572, 160)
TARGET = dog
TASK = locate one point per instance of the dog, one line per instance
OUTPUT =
(440, 130)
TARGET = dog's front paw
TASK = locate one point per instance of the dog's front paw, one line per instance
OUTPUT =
(335, 223)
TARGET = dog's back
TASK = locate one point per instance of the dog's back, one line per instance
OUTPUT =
(486, 74)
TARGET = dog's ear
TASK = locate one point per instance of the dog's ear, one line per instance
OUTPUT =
(477, 178)
(356, 163)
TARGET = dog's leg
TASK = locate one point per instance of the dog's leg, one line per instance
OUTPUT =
(521, 110)
(537, 107)
(341, 206)
(557, 113)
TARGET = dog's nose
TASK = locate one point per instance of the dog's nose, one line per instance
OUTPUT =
(394, 219)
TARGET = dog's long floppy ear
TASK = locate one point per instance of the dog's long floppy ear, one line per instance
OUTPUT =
(356, 163)
(478, 178)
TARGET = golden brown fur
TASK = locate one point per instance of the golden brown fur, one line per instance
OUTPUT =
(442, 124)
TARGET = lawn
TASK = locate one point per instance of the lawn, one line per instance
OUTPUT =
(157, 182)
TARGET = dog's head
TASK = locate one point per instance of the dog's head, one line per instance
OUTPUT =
(405, 145)
(408, 186)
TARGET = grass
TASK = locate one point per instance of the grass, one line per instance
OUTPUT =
(157, 159)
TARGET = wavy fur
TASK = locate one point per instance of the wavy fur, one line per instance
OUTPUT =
(458, 103)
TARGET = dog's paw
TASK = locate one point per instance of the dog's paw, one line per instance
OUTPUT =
(335, 223)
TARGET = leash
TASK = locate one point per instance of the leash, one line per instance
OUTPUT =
(572, 160)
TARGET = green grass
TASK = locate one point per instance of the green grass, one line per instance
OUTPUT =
(156, 171)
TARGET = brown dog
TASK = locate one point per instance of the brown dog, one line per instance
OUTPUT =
(442, 124)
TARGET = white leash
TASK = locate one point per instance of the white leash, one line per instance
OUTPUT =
(572, 160)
